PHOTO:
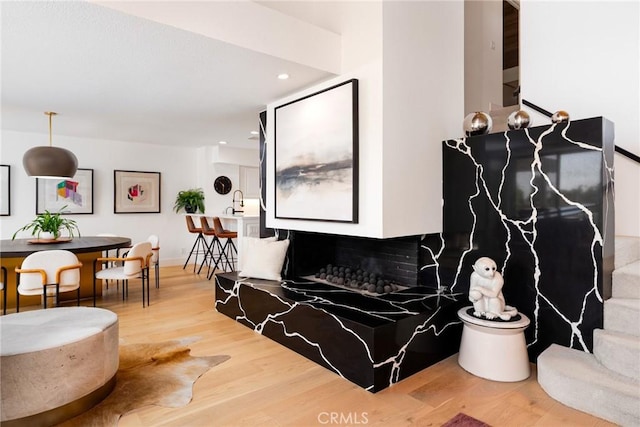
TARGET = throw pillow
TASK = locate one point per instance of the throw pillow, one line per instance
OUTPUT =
(263, 259)
(246, 244)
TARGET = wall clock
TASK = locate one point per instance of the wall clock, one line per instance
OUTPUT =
(222, 185)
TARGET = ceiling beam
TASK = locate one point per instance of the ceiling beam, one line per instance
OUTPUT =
(245, 24)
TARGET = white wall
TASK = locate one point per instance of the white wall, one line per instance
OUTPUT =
(410, 99)
(176, 165)
(482, 55)
(219, 160)
(361, 55)
(423, 71)
(370, 158)
(584, 57)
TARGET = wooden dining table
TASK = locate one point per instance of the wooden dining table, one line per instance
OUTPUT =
(87, 249)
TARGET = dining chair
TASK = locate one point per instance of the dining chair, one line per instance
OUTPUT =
(48, 273)
(199, 245)
(107, 253)
(133, 264)
(3, 288)
(155, 257)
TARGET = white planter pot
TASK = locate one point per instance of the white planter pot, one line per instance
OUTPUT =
(47, 235)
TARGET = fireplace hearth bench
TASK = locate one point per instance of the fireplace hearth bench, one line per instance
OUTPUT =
(372, 341)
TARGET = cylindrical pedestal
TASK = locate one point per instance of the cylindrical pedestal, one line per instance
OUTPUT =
(494, 350)
(56, 363)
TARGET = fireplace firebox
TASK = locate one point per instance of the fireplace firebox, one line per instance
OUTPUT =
(391, 261)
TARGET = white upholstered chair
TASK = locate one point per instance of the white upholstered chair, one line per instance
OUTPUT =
(48, 273)
(130, 266)
(155, 257)
(107, 253)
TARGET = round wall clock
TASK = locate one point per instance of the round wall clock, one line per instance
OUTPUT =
(222, 185)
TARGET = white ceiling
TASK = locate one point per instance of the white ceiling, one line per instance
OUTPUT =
(119, 77)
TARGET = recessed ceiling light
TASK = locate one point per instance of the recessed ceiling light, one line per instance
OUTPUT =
(283, 76)
(222, 142)
(254, 132)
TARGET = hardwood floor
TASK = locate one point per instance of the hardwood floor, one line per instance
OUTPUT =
(266, 384)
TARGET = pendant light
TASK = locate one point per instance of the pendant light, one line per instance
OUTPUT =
(50, 162)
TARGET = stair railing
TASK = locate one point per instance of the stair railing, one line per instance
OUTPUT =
(618, 149)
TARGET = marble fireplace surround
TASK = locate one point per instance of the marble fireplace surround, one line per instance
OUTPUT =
(538, 201)
(372, 341)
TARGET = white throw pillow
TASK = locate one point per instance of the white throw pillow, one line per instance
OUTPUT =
(263, 258)
(246, 244)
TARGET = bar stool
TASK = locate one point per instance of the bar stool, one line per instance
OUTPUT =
(199, 246)
(229, 250)
(211, 257)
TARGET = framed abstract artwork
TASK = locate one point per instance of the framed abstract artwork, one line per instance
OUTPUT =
(5, 190)
(75, 195)
(316, 156)
(136, 192)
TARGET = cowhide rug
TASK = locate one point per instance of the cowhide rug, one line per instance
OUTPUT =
(149, 374)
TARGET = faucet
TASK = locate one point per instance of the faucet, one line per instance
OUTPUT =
(233, 203)
(226, 211)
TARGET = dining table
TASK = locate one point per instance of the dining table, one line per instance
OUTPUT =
(86, 248)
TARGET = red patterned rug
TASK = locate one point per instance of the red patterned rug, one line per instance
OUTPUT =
(462, 420)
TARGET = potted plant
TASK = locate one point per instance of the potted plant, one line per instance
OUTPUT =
(190, 200)
(49, 225)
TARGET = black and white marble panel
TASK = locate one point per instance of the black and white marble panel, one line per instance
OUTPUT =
(373, 341)
(539, 202)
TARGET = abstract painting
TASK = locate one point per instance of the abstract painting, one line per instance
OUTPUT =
(316, 156)
(136, 192)
(75, 195)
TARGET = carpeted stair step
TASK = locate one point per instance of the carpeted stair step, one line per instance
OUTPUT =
(622, 315)
(627, 250)
(626, 281)
(576, 379)
(617, 352)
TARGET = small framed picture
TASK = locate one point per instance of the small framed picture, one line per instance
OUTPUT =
(136, 192)
(75, 195)
(5, 190)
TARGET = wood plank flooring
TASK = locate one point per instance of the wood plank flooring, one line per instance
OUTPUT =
(266, 384)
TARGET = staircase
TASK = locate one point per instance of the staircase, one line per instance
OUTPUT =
(606, 383)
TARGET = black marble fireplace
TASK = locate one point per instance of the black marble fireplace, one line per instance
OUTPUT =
(538, 201)
(372, 341)
(391, 260)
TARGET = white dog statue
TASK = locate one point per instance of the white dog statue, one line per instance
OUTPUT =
(485, 291)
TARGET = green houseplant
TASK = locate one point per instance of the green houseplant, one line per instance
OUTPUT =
(190, 200)
(53, 223)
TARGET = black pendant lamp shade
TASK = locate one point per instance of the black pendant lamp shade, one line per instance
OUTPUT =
(50, 162)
